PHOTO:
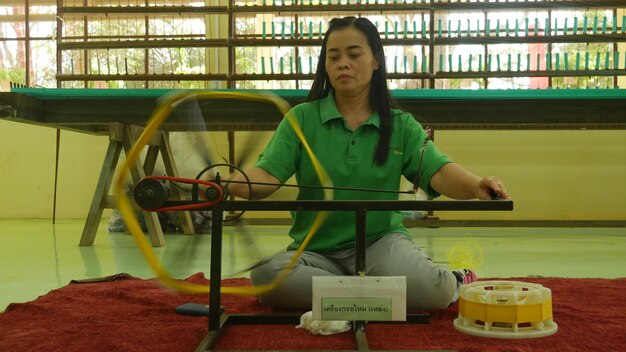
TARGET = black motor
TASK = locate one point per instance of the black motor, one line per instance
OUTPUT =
(151, 193)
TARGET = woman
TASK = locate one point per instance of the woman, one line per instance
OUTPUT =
(350, 122)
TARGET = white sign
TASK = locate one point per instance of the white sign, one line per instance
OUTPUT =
(368, 298)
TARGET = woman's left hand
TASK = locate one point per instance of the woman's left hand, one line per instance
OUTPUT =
(491, 187)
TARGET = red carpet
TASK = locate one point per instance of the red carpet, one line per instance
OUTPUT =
(129, 314)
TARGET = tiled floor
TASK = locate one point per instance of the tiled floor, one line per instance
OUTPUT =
(36, 256)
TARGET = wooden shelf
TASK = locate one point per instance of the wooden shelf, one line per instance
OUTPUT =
(108, 10)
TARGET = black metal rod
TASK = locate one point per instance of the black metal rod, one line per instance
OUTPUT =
(352, 205)
(216, 271)
(360, 269)
(326, 187)
(361, 338)
(359, 239)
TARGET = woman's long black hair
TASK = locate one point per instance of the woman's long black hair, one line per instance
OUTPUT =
(379, 95)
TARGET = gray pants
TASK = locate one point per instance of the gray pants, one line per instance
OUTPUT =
(429, 286)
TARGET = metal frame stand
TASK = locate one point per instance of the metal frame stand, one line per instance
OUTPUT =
(219, 320)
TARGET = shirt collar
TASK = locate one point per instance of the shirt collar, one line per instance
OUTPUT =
(329, 111)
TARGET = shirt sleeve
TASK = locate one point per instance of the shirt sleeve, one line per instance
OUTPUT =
(281, 155)
(431, 161)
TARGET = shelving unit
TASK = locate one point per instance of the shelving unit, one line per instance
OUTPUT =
(275, 44)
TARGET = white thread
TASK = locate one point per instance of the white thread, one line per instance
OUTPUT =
(322, 327)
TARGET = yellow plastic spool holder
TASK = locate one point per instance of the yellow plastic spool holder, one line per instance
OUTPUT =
(505, 309)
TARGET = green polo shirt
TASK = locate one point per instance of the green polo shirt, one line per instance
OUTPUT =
(348, 157)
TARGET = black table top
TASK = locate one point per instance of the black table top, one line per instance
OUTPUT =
(92, 110)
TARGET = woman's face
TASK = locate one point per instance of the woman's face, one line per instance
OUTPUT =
(350, 62)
